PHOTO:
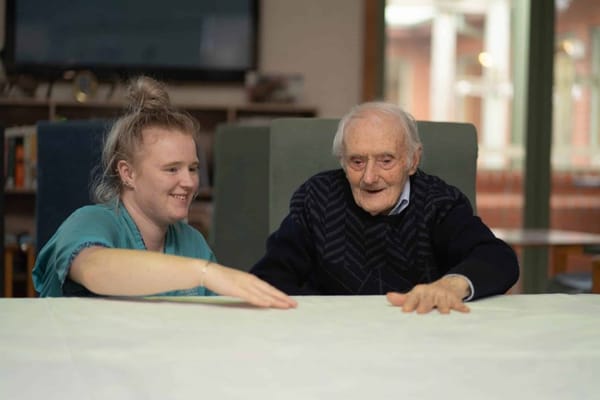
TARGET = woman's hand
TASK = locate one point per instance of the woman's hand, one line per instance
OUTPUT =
(232, 282)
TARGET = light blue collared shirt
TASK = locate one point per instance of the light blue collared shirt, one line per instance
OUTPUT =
(403, 200)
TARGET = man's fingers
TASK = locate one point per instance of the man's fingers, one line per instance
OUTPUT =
(444, 306)
(462, 307)
(425, 305)
(396, 299)
(411, 302)
(425, 302)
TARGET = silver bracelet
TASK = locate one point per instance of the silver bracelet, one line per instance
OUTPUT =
(204, 271)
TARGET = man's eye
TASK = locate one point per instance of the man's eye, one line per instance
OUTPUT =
(386, 162)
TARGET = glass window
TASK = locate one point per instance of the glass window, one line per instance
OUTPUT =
(452, 61)
(466, 61)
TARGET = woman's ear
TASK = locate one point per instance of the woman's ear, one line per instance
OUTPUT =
(125, 172)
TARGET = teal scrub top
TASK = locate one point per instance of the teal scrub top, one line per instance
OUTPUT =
(108, 225)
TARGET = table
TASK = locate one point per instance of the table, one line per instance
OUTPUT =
(560, 243)
(353, 347)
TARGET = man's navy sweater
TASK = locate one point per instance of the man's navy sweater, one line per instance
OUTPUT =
(330, 246)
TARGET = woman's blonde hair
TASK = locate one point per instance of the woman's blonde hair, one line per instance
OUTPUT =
(149, 105)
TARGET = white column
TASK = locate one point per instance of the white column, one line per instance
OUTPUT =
(443, 67)
(495, 123)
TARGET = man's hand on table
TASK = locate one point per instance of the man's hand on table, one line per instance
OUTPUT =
(445, 294)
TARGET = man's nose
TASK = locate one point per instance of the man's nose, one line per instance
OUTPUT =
(371, 172)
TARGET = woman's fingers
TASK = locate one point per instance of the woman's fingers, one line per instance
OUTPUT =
(267, 295)
(232, 282)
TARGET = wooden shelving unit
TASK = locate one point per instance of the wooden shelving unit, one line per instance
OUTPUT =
(28, 111)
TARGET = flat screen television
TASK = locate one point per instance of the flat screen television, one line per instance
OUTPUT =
(191, 40)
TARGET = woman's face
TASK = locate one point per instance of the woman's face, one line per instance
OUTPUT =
(164, 176)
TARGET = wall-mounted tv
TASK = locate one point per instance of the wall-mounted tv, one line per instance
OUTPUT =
(190, 40)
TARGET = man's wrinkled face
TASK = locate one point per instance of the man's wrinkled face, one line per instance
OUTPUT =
(375, 159)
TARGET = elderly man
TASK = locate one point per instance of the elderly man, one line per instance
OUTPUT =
(380, 225)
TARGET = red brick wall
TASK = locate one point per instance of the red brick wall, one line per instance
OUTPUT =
(573, 206)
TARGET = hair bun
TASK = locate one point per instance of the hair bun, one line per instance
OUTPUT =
(147, 95)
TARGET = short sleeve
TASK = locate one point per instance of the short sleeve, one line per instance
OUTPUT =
(88, 226)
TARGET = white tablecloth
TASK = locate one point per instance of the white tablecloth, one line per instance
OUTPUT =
(508, 347)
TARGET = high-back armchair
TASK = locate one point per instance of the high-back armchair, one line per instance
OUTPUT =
(257, 170)
(69, 154)
(301, 147)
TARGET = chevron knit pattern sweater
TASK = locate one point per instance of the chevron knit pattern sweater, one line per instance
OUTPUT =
(329, 245)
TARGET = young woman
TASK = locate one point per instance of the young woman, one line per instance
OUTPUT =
(135, 240)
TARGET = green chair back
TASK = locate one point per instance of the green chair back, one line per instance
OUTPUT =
(257, 169)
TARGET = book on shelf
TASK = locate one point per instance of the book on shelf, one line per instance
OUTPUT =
(20, 151)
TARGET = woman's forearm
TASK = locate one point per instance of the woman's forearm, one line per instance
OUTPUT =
(121, 272)
(124, 272)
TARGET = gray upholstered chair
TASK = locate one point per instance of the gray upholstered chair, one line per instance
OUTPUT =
(300, 148)
(450, 152)
(69, 153)
(240, 194)
(257, 169)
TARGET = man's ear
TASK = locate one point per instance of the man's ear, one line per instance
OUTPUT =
(126, 173)
(416, 160)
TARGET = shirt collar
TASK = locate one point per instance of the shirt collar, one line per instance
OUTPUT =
(403, 200)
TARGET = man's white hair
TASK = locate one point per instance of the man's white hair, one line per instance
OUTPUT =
(405, 121)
